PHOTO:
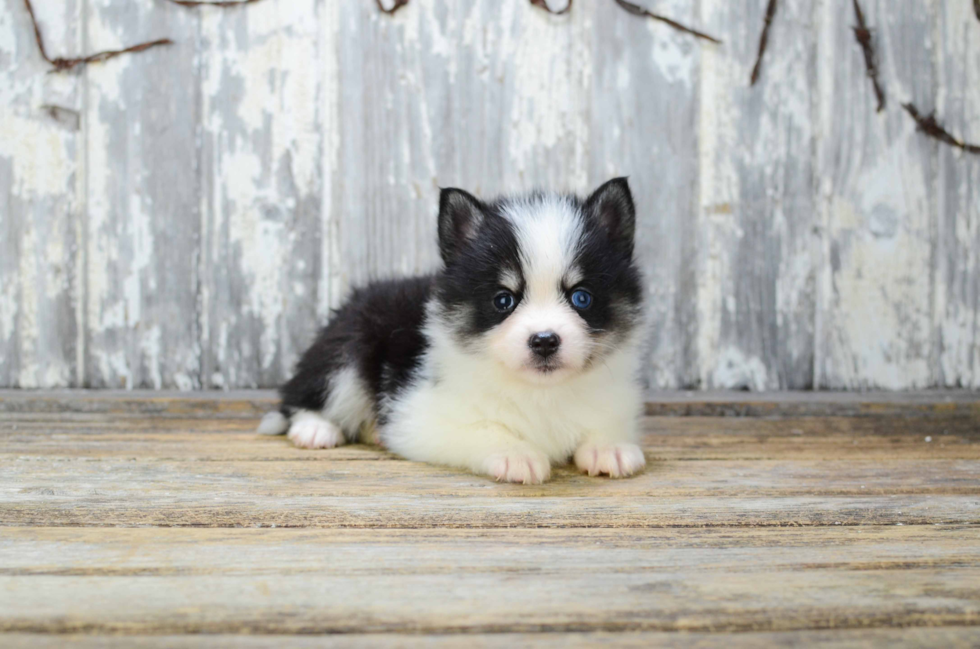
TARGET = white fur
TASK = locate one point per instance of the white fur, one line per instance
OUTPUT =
(485, 405)
(309, 429)
(488, 409)
(350, 406)
(273, 423)
(348, 415)
(547, 235)
(469, 411)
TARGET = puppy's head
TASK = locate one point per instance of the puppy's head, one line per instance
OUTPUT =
(543, 284)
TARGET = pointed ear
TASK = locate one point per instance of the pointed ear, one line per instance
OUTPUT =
(460, 217)
(611, 207)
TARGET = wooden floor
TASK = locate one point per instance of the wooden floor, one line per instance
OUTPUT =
(797, 520)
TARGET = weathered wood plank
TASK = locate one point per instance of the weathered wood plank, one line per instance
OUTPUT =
(254, 403)
(320, 492)
(287, 581)
(755, 271)
(928, 638)
(878, 202)
(142, 197)
(614, 598)
(164, 552)
(957, 257)
(218, 440)
(30, 479)
(650, 134)
(40, 228)
(261, 169)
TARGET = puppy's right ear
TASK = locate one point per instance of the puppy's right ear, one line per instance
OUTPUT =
(460, 217)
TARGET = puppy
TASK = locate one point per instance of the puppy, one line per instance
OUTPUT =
(522, 351)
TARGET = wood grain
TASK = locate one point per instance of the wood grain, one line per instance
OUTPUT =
(928, 638)
(958, 404)
(878, 204)
(141, 189)
(644, 124)
(164, 522)
(208, 582)
(41, 220)
(957, 296)
(187, 217)
(86, 470)
(261, 197)
(756, 274)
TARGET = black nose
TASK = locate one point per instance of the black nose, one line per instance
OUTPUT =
(544, 344)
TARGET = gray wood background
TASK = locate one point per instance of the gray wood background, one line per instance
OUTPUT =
(184, 217)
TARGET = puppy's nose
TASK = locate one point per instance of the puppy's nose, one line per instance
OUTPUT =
(544, 344)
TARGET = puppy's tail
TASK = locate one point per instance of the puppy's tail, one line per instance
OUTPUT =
(274, 423)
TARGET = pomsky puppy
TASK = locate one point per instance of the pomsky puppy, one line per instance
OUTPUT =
(520, 352)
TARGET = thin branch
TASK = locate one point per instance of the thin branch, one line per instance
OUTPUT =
(763, 41)
(224, 4)
(863, 36)
(62, 64)
(637, 10)
(544, 5)
(976, 8)
(934, 129)
(395, 7)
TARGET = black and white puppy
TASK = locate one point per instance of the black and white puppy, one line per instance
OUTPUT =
(522, 351)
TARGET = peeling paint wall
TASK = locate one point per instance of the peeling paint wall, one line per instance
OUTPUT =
(185, 217)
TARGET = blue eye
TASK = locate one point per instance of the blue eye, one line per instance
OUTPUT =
(581, 299)
(504, 301)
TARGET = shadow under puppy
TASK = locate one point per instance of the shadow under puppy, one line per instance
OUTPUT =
(522, 351)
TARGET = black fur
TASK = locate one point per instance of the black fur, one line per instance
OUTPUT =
(379, 330)
(470, 280)
(605, 256)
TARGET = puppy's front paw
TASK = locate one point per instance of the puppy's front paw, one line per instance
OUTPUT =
(310, 430)
(615, 460)
(524, 467)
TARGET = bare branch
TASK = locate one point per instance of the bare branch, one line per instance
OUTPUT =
(544, 5)
(863, 35)
(395, 7)
(934, 129)
(62, 64)
(637, 10)
(224, 4)
(763, 41)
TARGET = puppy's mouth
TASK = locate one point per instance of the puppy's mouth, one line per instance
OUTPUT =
(545, 366)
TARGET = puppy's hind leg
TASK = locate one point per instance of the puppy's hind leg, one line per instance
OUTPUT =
(339, 408)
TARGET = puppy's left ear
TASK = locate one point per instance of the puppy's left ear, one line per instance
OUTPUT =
(611, 207)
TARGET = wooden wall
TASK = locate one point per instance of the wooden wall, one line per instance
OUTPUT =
(184, 217)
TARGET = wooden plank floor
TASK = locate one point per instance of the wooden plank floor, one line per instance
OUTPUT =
(816, 520)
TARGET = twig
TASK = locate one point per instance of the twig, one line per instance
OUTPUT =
(976, 8)
(934, 129)
(863, 35)
(763, 41)
(544, 5)
(62, 64)
(637, 10)
(395, 7)
(224, 4)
